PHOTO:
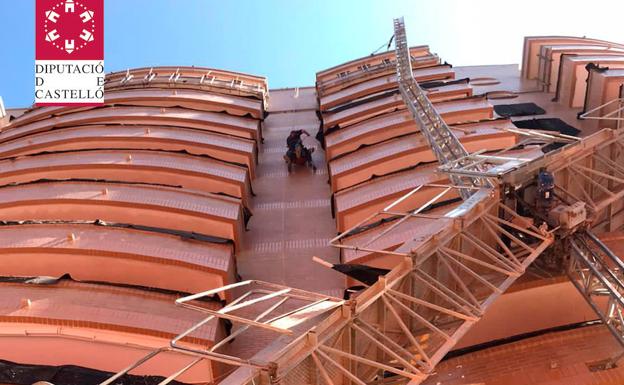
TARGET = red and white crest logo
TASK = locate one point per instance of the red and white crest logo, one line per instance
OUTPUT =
(69, 68)
(70, 29)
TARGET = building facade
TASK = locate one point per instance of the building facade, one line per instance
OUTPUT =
(113, 218)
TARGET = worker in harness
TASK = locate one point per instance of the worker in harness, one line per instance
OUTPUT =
(297, 153)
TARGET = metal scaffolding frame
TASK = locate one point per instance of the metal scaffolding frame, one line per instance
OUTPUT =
(592, 172)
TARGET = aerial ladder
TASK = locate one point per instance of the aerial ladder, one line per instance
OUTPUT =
(595, 271)
(443, 142)
(400, 326)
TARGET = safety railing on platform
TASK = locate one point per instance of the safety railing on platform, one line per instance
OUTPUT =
(444, 144)
(208, 80)
(366, 70)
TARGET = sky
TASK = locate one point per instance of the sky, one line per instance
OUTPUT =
(290, 40)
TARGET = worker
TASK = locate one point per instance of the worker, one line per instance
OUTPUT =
(294, 139)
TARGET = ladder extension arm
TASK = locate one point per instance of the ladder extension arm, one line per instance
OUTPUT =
(444, 144)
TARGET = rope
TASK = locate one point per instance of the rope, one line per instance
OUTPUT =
(388, 45)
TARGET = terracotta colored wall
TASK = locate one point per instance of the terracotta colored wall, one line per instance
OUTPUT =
(525, 310)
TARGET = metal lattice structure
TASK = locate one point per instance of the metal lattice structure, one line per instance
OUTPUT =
(398, 329)
(265, 306)
(598, 275)
(404, 324)
(444, 144)
(481, 165)
(613, 110)
(593, 174)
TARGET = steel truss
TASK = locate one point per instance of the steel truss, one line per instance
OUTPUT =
(480, 165)
(444, 144)
(398, 329)
(598, 275)
(404, 324)
(266, 306)
(593, 172)
(614, 110)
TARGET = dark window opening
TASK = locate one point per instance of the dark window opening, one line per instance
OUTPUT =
(548, 124)
(518, 109)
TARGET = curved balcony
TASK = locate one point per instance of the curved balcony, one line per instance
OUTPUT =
(98, 326)
(404, 152)
(148, 167)
(179, 117)
(457, 110)
(367, 67)
(418, 230)
(368, 72)
(152, 206)
(354, 204)
(119, 210)
(371, 131)
(440, 72)
(533, 44)
(156, 97)
(116, 255)
(93, 137)
(201, 78)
